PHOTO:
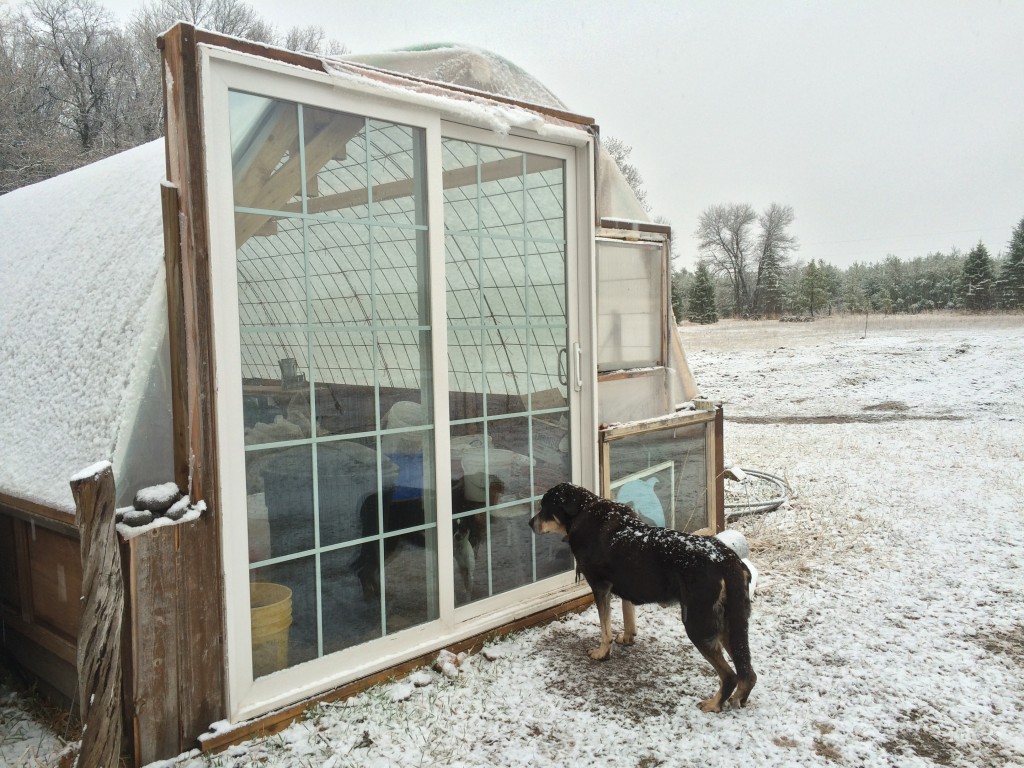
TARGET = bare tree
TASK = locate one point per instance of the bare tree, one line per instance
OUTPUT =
(312, 39)
(620, 152)
(77, 87)
(230, 17)
(83, 45)
(726, 241)
(32, 147)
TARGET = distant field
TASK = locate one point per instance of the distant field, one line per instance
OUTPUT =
(754, 334)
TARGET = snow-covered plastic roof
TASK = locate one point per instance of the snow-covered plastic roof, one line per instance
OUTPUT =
(84, 370)
(82, 324)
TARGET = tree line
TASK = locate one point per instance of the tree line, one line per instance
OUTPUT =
(746, 269)
(78, 86)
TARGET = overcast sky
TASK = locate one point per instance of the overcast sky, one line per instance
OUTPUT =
(890, 127)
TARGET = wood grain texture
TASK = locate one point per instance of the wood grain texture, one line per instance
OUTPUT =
(99, 638)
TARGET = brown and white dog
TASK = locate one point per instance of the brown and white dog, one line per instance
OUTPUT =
(618, 554)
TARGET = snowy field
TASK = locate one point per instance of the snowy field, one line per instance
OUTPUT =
(889, 625)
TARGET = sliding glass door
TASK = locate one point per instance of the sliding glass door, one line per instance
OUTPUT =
(399, 368)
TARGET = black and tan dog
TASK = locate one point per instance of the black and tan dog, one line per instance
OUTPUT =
(618, 554)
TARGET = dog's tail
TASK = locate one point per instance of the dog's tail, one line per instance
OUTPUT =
(737, 612)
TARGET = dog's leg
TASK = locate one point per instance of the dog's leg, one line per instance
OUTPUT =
(603, 600)
(466, 560)
(737, 613)
(628, 634)
(712, 651)
(706, 627)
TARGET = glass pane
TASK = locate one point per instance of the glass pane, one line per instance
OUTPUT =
(501, 196)
(546, 274)
(629, 305)
(335, 343)
(271, 270)
(283, 615)
(465, 374)
(505, 361)
(459, 179)
(339, 273)
(511, 543)
(462, 273)
(550, 450)
(662, 474)
(398, 293)
(503, 279)
(275, 389)
(347, 474)
(545, 198)
(395, 169)
(288, 494)
(337, 165)
(410, 579)
(264, 152)
(350, 581)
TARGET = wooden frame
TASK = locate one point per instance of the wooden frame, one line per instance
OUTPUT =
(44, 642)
(712, 422)
(200, 609)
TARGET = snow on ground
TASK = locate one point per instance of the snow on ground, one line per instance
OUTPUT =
(887, 629)
(24, 742)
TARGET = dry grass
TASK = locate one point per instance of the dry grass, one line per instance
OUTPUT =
(770, 334)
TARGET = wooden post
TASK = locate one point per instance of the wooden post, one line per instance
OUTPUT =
(719, 489)
(200, 696)
(99, 639)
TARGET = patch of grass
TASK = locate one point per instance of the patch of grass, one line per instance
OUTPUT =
(57, 719)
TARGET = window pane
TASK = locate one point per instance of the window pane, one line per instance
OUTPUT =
(629, 305)
(545, 198)
(662, 474)
(337, 166)
(271, 271)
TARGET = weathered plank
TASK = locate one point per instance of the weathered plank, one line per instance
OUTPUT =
(175, 333)
(200, 690)
(719, 500)
(153, 601)
(99, 638)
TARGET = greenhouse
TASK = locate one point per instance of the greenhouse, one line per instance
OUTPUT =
(367, 311)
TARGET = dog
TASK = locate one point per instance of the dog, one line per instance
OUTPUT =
(618, 554)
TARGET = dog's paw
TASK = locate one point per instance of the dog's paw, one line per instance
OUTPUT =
(623, 639)
(710, 705)
(603, 653)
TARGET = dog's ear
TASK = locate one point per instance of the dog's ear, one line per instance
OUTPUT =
(565, 501)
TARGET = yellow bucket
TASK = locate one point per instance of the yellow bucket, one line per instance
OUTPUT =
(271, 609)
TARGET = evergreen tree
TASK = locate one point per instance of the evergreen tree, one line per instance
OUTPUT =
(1011, 276)
(702, 298)
(978, 279)
(769, 291)
(814, 286)
(681, 283)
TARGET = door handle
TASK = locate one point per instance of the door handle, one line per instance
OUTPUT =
(563, 364)
(578, 355)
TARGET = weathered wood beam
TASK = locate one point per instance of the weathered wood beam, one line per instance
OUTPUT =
(200, 697)
(99, 638)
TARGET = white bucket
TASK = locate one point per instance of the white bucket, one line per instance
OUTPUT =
(501, 464)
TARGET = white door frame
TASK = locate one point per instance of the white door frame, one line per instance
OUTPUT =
(223, 70)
